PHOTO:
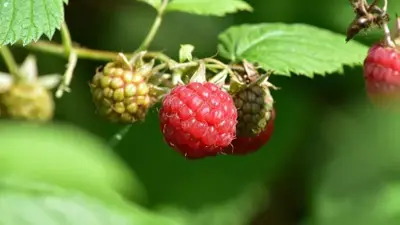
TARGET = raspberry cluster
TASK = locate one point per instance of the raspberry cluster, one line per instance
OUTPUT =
(201, 114)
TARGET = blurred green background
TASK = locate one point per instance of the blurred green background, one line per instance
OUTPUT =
(284, 183)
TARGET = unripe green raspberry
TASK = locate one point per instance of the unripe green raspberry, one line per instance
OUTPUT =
(27, 101)
(255, 105)
(27, 96)
(122, 94)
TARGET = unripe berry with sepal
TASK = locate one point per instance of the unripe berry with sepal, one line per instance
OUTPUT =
(121, 92)
(28, 101)
(28, 96)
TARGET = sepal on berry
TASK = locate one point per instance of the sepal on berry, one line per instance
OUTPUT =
(220, 78)
(253, 100)
(200, 74)
(185, 53)
(6, 80)
(396, 33)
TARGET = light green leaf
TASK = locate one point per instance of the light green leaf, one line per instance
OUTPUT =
(28, 20)
(154, 3)
(291, 48)
(65, 156)
(30, 203)
(248, 203)
(209, 7)
(185, 53)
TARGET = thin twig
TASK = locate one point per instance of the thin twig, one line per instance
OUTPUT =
(117, 137)
(72, 61)
(154, 28)
(10, 62)
(87, 53)
(67, 78)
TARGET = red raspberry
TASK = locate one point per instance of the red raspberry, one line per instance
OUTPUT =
(246, 145)
(382, 75)
(198, 119)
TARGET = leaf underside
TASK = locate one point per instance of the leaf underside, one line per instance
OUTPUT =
(203, 7)
(291, 48)
(209, 7)
(28, 20)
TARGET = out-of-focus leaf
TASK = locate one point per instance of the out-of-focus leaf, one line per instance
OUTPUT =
(360, 185)
(25, 202)
(239, 210)
(65, 156)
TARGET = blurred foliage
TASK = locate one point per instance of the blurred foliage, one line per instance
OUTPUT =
(272, 186)
(65, 156)
(34, 203)
(358, 183)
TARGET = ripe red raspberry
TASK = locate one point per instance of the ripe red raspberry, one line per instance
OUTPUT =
(243, 145)
(198, 119)
(382, 75)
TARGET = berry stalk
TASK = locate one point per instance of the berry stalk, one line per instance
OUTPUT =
(10, 62)
(154, 28)
(117, 137)
(87, 53)
(72, 61)
(102, 55)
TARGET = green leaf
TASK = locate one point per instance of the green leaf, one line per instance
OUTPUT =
(65, 156)
(291, 48)
(359, 182)
(154, 3)
(248, 203)
(32, 203)
(28, 20)
(209, 7)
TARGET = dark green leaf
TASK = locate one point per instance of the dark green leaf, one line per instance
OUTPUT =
(31, 203)
(28, 20)
(65, 156)
(291, 48)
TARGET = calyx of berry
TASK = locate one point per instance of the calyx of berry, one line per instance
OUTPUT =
(29, 75)
(26, 96)
(247, 75)
(396, 33)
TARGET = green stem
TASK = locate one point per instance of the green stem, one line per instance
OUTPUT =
(154, 28)
(66, 39)
(67, 78)
(116, 138)
(86, 53)
(10, 62)
(220, 64)
(83, 53)
(72, 61)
